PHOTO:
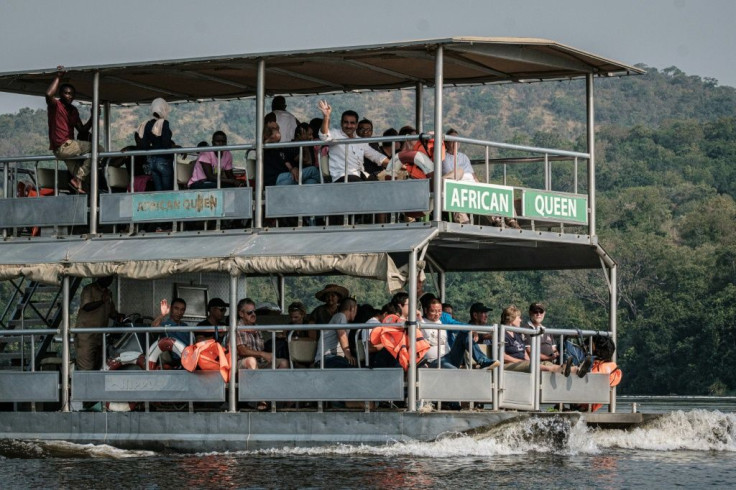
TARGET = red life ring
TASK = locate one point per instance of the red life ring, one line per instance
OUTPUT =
(166, 344)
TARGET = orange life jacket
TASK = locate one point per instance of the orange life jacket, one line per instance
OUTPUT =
(419, 161)
(208, 355)
(614, 375)
(396, 341)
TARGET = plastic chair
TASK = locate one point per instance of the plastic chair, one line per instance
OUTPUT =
(301, 351)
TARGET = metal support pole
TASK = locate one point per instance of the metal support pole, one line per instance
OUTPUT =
(575, 181)
(438, 82)
(613, 325)
(419, 107)
(232, 405)
(95, 154)
(547, 173)
(497, 371)
(590, 110)
(106, 122)
(441, 276)
(65, 344)
(412, 320)
(282, 294)
(260, 101)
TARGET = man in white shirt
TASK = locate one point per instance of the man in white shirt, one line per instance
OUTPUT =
(355, 151)
(437, 338)
(287, 121)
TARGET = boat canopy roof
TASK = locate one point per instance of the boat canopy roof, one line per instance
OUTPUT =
(377, 254)
(466, 61)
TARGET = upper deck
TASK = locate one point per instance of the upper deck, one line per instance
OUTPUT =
(104, 231)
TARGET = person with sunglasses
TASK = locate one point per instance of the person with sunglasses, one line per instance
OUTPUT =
(216, 309)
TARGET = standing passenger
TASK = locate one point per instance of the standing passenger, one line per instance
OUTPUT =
(63, 119)
(286, 120)
(156, 135)
(95, 309)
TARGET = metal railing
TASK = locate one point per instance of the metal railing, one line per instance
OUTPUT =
(543, 156)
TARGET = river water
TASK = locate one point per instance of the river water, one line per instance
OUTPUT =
(692, 445)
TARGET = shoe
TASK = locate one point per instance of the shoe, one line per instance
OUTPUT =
(567, 367)
(492, 365)
(262, 406)
(585, 366)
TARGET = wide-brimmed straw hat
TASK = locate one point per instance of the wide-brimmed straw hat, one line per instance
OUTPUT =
(332, 288)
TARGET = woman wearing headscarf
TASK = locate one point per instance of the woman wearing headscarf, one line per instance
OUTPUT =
(155, 134)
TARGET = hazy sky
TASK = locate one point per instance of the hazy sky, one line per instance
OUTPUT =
(696, 36)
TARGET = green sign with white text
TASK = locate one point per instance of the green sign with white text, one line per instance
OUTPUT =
(477, 198)
(553, 206)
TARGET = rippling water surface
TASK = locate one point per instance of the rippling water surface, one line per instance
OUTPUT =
(687, 448)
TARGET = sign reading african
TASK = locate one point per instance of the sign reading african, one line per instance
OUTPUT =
(477, 198)
(164, 206)
(571, 208)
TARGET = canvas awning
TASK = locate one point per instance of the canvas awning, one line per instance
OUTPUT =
(361, 253)
(467, 61)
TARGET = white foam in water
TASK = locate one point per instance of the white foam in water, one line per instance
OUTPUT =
(69, 449)
(697, 430)
(540, 434)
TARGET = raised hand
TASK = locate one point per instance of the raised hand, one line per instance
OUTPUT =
(164, 307)
(324, 108)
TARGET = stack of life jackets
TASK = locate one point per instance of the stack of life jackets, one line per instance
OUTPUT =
(396, 341)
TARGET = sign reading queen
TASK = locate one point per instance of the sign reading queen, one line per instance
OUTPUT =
(555, 206)
(477, 198)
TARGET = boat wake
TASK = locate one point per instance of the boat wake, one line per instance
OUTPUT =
(697, 430)
(63, 449)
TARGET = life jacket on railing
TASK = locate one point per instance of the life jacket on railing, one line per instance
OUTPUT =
(419, 161)
(207, 355)
(396, 341)
(614, 378)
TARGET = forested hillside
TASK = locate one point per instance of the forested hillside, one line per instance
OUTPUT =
(666, 176)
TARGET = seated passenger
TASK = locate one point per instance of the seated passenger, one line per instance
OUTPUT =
(336, 346)
(352, 168)
(216, 309)
(298, 316)
(548, 352)
(331, 295)
(285, 119)
(204, 175)
(437, 338)
(251, 350)
(516, 357)
(281, 165)
(175, 312)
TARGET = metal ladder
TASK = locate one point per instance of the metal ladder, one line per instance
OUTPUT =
(31, 305)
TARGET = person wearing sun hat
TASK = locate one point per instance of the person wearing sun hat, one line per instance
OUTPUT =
(331, 295)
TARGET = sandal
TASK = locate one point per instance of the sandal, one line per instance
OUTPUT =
(76, 186)
(567, 367)
(262, 406)
(585, 366)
